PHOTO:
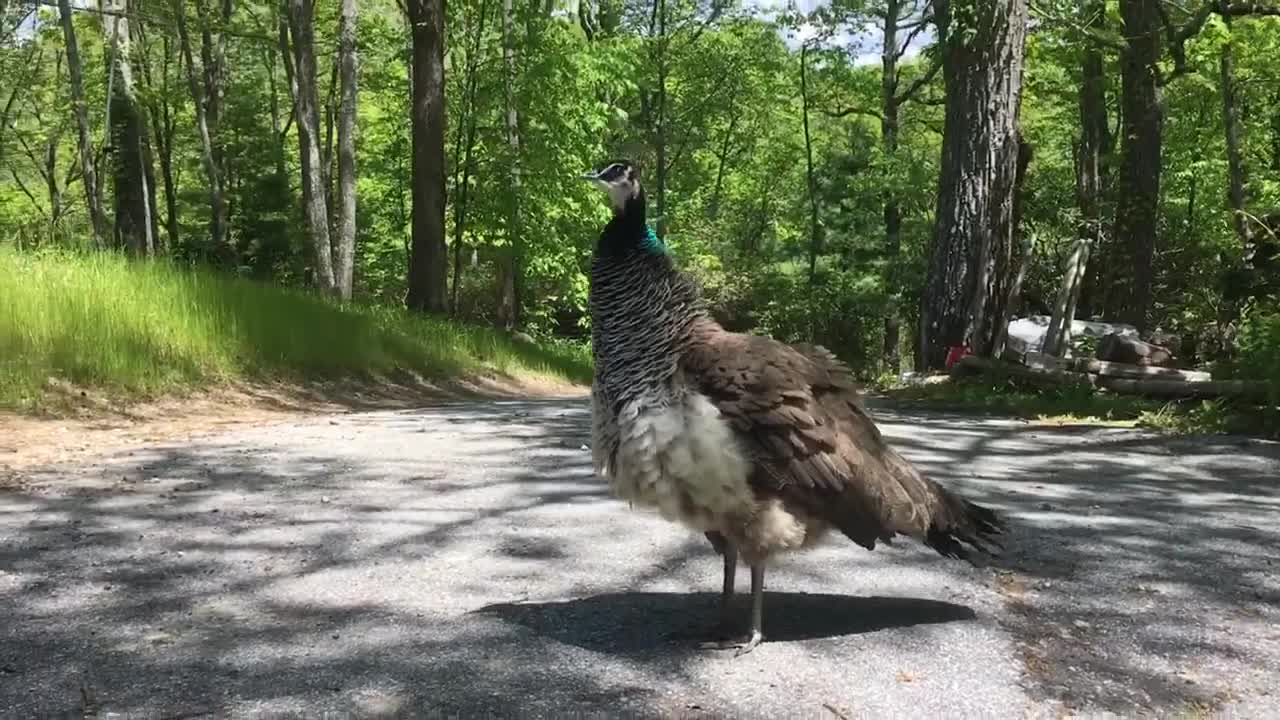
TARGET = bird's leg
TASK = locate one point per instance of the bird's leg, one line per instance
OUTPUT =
(757, 610)
(726, 593)
(748, 643)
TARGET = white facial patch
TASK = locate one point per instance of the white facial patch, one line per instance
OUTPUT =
(619, 193)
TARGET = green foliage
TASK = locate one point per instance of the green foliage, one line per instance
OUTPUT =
(143, 327)
(1260, 356)
(843, 308)
(715, 85)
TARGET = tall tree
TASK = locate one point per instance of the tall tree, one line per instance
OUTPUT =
(1142, 126)
(1233, 126)
(427, 257)
(465, 147)
(1094, 147)
(219, 215)
(1138, 193)
(345, 249)
(897, 16)
(983, 45)
(213, 61)
(84, 140)
(815, 240)
(509, 267)
(301, 14)
(132, 175)
(661, 46)
(163, 123)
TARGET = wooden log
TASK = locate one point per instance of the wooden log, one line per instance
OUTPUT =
(1181, 389)
(1114, 369)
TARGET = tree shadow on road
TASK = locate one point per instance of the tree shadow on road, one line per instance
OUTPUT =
(341, 569)
(1142, 572)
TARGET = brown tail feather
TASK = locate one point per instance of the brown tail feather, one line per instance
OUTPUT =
(960, 525)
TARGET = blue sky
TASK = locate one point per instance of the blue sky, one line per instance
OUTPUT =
(865, 42)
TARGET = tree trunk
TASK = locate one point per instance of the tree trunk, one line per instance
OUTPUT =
(982, 68)
(51, 179)
(279, 126)
(1058, 337)
(1237, 175)
(889, 146)
(1275, 130)
(291, 81)
(722, 161)
(427, 258)
(814, 239)
(218, 220)
(465, 147)
(1095, 144)
(162, 125)
(307, 118)
(133, 188)
(326, 152)
(1137, 211)
(1011, 296)
(344, 252)
(88, 174)
(213, 60)
(660, 128)
(509, 261)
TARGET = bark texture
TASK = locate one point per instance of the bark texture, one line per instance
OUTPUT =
(1237, 174)
(349, 60)
(1138, 197)
(427, 256)
(218, 211)
(509, 259)
(84, 138)
(132, 177)
(983, 46)
(307, 118)
(1094, 149)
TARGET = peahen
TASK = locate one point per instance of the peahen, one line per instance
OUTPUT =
(760, 445)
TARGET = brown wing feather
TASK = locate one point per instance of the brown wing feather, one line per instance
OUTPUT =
(797, 410)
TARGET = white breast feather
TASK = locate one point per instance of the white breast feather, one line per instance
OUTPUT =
(681, 459)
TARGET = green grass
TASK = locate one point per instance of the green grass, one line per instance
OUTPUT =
(142, 328)
(1085, 406)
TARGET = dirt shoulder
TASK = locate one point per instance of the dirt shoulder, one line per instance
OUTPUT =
(82, 424)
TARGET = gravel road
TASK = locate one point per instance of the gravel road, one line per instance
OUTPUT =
(462, 560)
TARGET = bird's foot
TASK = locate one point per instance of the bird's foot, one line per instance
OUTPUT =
(743, 644)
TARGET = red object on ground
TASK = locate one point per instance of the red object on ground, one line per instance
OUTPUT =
(955, 353)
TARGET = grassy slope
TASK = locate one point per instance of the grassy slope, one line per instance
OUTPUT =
(133, 329)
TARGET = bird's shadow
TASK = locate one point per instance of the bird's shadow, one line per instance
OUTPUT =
(636, 623)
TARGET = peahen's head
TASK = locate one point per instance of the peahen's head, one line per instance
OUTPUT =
(621, 180)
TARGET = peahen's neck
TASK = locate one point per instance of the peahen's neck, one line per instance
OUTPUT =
(643, 310)
(628, 233)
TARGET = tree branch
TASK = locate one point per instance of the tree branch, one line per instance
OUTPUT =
(1239, 9)
(1177, 36)
(853, 111)
(917, 23)
(25, 191)
(919, 82)
(899, 52)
